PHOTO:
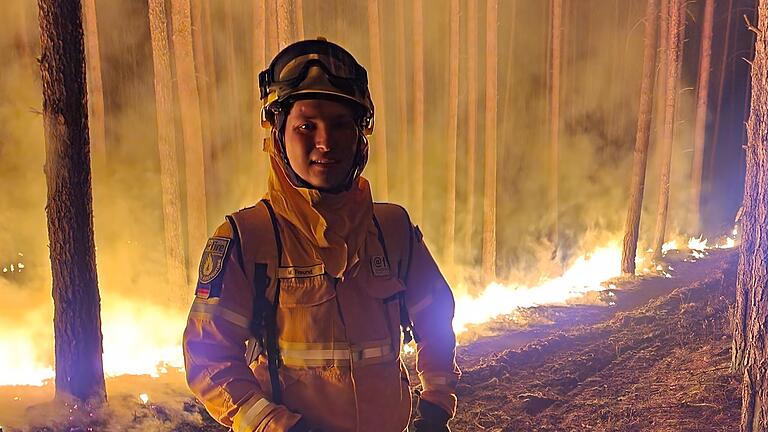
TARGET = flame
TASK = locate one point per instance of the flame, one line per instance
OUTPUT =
(585, 274)
(143, 337)
(697, 244)
(144, 398)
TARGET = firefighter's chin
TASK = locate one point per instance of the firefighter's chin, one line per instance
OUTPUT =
(326, 175)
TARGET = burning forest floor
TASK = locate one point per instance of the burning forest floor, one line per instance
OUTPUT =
(658, 366)
(648, 354)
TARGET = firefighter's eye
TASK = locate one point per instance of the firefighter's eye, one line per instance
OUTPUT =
(305, 127)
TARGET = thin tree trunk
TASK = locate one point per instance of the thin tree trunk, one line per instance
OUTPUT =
(285, 24)
(175, 260)
(233, 89)
(640, 160)
(720, 87)
(404, 177)
(489, 213)
(203, 80)
(417, 141)
(213, 147)
(702, 94)
(259, 63)
(378, 95)
(299, 11)
(554, 122)
(750, 341)
(95, 87)
(472, 81)
(272, 28)
(76, 302)
(191, 125)
(453, 130)
(669, 123)
(661, 77)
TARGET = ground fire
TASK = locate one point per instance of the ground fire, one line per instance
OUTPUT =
(589, 176)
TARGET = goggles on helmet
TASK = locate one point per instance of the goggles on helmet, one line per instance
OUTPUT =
(342, 77)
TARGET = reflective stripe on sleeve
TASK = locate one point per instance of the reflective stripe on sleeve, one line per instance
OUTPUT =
(438, 381)
(209, 310)
(421, 305)
(251, 414)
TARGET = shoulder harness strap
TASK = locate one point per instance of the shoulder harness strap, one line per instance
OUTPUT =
(263, 323)
(409, 332)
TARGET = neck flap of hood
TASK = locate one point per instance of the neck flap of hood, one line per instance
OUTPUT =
(337, 224)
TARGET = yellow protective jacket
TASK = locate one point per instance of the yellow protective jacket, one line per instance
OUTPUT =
(339, 338)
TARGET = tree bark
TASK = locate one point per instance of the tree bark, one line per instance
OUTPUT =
(186, 83)
(379, 153)
(472, 81)
(554, 122)
(417, 140)
(95, 88)
(175, 260)
(453, 130)
(642, 137)
(700, 126)
(750, 341)
(76, 316)
(669, 123)
(489, 213)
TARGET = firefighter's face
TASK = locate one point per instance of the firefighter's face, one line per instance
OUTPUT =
(320, 141)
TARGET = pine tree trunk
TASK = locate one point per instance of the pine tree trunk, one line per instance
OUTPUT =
(95, 88)
(272, 28)
(750, 341)
(453, 130)
(472, 81)
(417, 140)
(489, 213)
(661, 77)
(640, 160)
(702, 94)
(379, 144)
(189, 101)
(401, 149)
(673, 59)
(285, 24)
(232, 45)
(204, 83)
(76, 316)
(554, 122)
(720, 86)
(298, 7)
(259, 63)
(175, 260)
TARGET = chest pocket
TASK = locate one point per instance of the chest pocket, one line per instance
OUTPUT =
(307, 309)
(384, 294)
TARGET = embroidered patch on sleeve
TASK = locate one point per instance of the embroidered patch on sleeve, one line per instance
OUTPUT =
(211, 265)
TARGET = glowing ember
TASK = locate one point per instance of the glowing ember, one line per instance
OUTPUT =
(144, 398)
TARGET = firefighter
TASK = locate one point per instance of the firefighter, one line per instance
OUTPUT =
(304, 300)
